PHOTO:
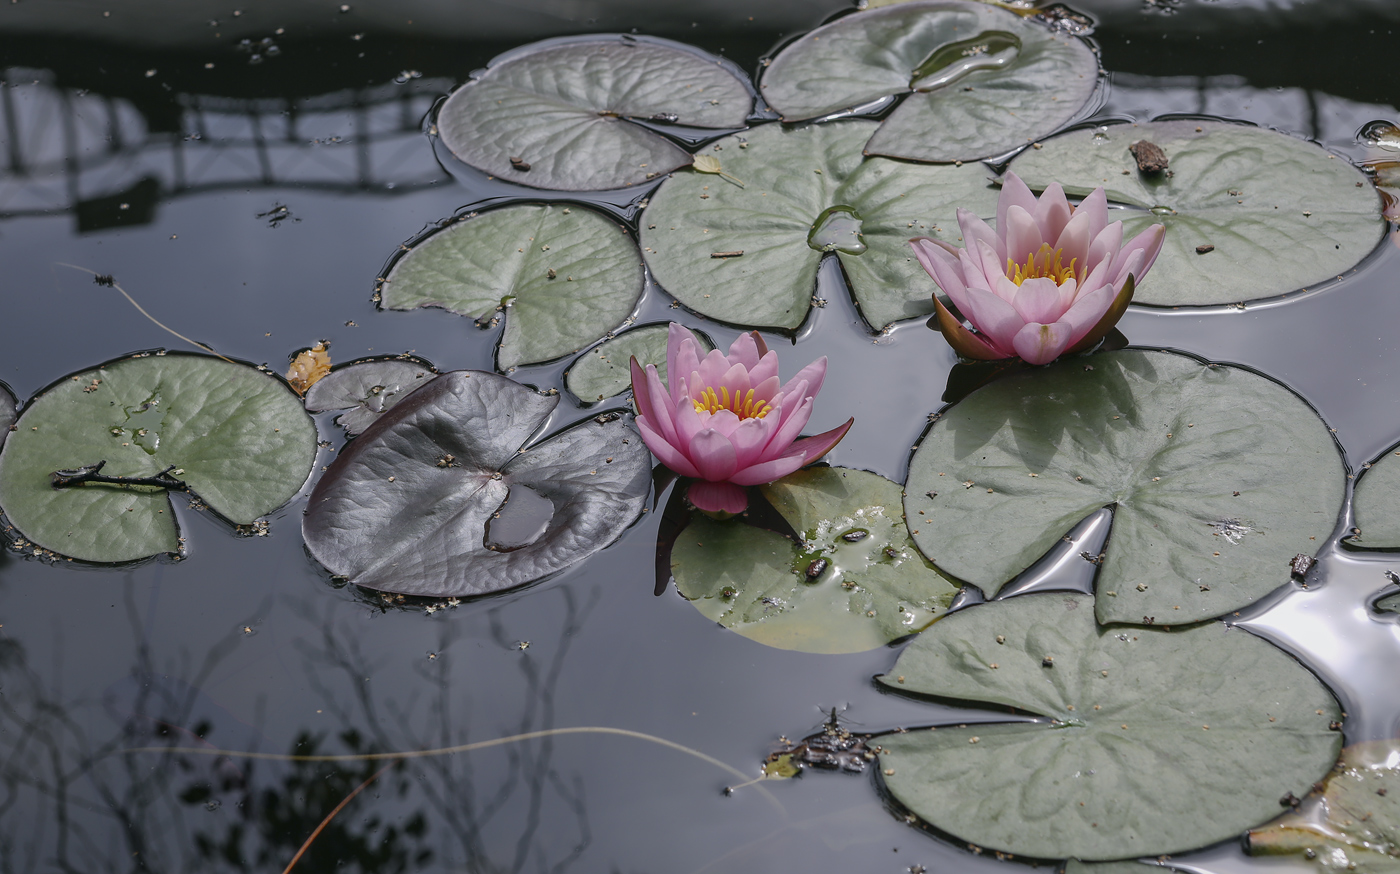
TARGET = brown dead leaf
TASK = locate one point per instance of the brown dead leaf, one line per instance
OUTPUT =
(309, 366)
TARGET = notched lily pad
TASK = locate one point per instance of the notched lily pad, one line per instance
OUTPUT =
(1250, 213)
(1217, 477)
(604, 370)
(1157, 741)
(559, 114)
(979, 81)
(1352, 824)
(437, 498)
(365, 390)
(238, 438)
(854, 583)
(749, 255)
(563, 276)
(1377, 504)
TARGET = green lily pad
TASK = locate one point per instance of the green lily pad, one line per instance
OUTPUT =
(1217, 478)
(1281, 214)
(8, 412)
(1353, 824)
(559, 114)
(604, 371)
(749, 255)
(980, 81)
(1377, 504)
(237, 437)
(564, 275)
(1158, 741)
(1389, 604)
(1074, 866)
(437, 497)
(365, 390)
(855, 583)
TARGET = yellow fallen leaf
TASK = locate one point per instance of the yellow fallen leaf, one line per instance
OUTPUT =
(309, 366)
(710, 164)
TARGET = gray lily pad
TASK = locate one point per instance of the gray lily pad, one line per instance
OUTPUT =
(604, 371)
(8, 411)
(855, 583)
(1377, 504)
(1217, 478)
(1250, 213)
(437, 497)
(564, 275)
(1352, 824)
(237, 437)
(1156, 741)
(749, 255)
(365, 390)
(983, 80)
(558, 114)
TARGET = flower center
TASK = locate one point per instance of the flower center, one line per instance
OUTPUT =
(741, 406)
(1041, 265)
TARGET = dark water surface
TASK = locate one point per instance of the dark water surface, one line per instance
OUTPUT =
(248, 645)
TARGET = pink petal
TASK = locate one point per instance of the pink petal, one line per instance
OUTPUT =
(689, 422)
(1041, 344)
(744, 351)
(1086, 312)
(724, 421)
(640, 392)
(711, 372)
(1052, 212)
(1096, 207)
(1074, 240)
(813, 448)
(717, 497)
(1132, 266)
(663, 409)
(1014, 192)
(767, 367)
(1150, 241)
(713, 455)
(1105, 245)
(974, 229)
(1068, 292)
(813, 374)
(1023, 237)
(676, 337)
(751, 438)
(767, 471)
(765, 391)
(794, 420)
(993, 317)
(984, 269)
(1038, 300)
(736, 379)
(938, 263)
(668, 454)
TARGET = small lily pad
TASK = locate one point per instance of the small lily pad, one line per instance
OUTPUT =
(980, 81)
(564, 276)
(604, 370)
(1377, 504)
(1353, 824)
(237, 437)
(438, 498)
(749, 255)
(1154, 741)
(1217, 478)
(1250, 213)
(365, 390)
(854, 583)
(560, 114)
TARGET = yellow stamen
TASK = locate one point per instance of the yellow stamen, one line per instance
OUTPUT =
(742, 405)
(1042, 264)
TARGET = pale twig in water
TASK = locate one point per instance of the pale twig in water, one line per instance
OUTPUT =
(103, 279)
(330, 816)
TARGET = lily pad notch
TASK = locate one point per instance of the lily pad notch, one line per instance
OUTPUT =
(582, 113)
(560, 274)
(88, 471)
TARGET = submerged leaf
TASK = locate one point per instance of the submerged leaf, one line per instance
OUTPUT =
(365, 390)
(559, 114)
(1250, 213)
(563, 276)
(237, 437)
(1156, 741)
(603, 371)
(854, 583)
(309, 367)
(980, 81)
(437, 497)
(749, 256)
(1217, 478)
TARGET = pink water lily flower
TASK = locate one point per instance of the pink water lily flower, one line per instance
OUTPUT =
(725, 421)
(1052, 278)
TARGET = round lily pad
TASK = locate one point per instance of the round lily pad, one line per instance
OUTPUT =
(437, 497)
(980, 81)
(1250, 213)
(748, 254)
(604, 370)
(365, 389)
(560, 114)
(854, 583)
(1217, 478)
(237, 437)
(1156, 741)
(1377, 504)
(564, 275)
